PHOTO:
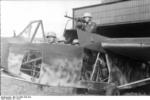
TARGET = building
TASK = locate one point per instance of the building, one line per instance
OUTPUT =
(119, 18)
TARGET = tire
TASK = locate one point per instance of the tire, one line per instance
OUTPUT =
(113, 92)
(80, 91)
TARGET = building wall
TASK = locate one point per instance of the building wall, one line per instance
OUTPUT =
(108, 1)
(116, 13)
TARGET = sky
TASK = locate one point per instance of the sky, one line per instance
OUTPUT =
(15, 14)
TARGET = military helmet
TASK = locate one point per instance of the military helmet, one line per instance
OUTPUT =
(51, 34)
(87, 15)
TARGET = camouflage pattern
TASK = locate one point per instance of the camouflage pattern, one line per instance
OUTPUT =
(60, 66)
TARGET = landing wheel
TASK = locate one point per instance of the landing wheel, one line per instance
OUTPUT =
(113, 91)
(80, 91)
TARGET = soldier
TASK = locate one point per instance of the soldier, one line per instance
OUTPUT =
(87, 25)
(51, 37)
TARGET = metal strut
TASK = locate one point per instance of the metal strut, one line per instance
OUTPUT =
(94, 67)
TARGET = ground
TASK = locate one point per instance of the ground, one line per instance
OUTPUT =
(11, 86)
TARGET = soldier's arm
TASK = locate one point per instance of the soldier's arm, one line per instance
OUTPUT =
(93, 27)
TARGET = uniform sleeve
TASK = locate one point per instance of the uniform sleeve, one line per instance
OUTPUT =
(93, 27)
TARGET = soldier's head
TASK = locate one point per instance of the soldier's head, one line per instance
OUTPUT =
(87, 17)
(51, 37)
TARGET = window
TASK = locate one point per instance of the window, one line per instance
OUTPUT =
(31, 63)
